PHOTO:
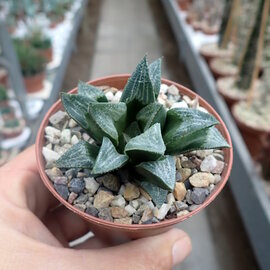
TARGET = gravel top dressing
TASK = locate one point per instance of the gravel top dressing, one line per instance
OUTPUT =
(118, 197)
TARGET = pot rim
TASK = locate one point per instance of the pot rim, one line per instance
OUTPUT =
(134, 227)
(245, 126)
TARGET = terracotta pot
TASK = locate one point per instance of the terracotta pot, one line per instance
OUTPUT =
(109, 230)
(184, 4)
(9, 133)
(3, 76)
(211, 52)
(253, 137)
(34, 83)
(47, 54)
(230, 100)
(219, 73)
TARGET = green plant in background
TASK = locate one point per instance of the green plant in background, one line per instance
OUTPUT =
(30, 60)
(3, 93)
(38, 40)
(138, 133)
(20, 8)
(249, 69)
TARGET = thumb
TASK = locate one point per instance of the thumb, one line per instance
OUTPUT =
(163, 251)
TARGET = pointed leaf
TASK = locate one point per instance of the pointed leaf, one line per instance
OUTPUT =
(160, 173)
(155, 75)
(132, 131)
(80, 155)
(92, 92)
(77, 107)
(106, 119)
(209, 138)
(182, 126)
(157, 194)
(146, 146)
(139, 85)
(151, 114)
(108, 158)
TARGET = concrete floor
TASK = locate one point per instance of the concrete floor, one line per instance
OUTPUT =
(115, 36)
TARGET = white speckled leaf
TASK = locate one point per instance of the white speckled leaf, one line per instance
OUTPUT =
(151, 114)
(146, 146)
(139, 86)
(108, 158)
(155, 75)
(183, 127)
(209, 138)
(76, 106)
(106, 119)
(157, 194)
(80, 155)
(91, 92)
(160, 173)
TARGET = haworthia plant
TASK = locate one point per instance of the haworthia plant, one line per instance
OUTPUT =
(142, 138)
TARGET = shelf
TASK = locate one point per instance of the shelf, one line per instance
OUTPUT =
(245, 183)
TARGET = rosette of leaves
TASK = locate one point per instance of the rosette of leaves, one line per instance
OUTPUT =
(137, 133)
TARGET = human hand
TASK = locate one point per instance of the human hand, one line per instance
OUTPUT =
(32, 236)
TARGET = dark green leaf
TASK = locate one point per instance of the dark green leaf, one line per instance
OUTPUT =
(209, 138)
(151, 114)
(157, 194)
(155, 75)
(183, 126)
(91, 92)
(80, 155)
(106, 119)
(160, 173)
(132, 131)
(108, 158)
(139, 85)
(146, 146)
(77, 107)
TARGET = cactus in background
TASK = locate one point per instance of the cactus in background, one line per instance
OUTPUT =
(248, 71)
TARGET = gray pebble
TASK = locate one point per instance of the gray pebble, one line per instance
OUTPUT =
(198, 195)
(136, 219)
(60, 180)
(178, 176)
(111, 182)
(180, 206)
(188, 164)
(105, 214)
(62, 190)
(193, 207)
(151, 221)
(58, 119)
(81, 207)
(82, 199)
(92, 211)
(70, 173)
(76, 185)
(72, 196)
(188, 199)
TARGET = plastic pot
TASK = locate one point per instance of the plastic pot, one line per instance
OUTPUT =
(253, 137)
(109, 230)
(34, 83)
(47, 54)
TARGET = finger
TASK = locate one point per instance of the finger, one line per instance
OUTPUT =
(25, 186)
(65, 225)
(163, 251)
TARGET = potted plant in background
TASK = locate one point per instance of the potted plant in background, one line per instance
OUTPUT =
(3, 76)
(32, 66)
(127, 162)
(227, 67)
(42, 43)
(236, 89)
(222, 49)
(56, 13)
(253, 115)
(3, 96)
(184, 4)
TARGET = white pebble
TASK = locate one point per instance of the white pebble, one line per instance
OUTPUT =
(52, 132)
(135, 204)
(50, 155)
(72, 123)
(91, 185)
(181, 104)
(173, 90)
(119, 201)
(109, 95)
(170, 198)
(202, 109)
(74, 139)
(130, 209)
(164, 88)
(122, 190)
(208, 164)
(162, 211)
(65, 136)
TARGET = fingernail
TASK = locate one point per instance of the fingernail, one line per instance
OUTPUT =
(180, 250)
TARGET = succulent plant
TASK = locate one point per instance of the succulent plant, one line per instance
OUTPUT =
(38, 40)
(30, 60)
(3, 93)
(137, 133)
